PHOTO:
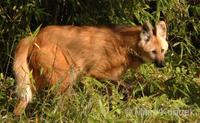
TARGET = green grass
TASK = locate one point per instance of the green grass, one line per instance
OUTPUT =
(171, 94)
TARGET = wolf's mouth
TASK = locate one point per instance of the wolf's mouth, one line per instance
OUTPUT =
(159, 64)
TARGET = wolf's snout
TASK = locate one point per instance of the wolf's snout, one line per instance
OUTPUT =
(160, 64)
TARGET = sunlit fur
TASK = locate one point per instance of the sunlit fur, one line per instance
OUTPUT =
(61, 54)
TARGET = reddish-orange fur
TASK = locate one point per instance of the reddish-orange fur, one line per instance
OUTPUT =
(59, 54)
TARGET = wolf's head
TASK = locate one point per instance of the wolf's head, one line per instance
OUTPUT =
(153, 45)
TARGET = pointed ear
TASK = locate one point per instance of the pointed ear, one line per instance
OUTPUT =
(161, 29)
(147, 32)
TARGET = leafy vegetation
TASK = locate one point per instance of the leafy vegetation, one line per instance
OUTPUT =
(171, 94)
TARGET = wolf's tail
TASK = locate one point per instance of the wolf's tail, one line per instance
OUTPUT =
(22, 72)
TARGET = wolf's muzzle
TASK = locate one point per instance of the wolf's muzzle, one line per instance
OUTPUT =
(159, 64)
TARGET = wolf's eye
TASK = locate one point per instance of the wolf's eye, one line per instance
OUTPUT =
(162, 50)
(154, 51)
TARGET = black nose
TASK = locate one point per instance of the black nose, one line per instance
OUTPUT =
(159, 64)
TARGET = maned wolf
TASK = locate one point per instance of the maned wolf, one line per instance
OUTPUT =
(62, 53)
